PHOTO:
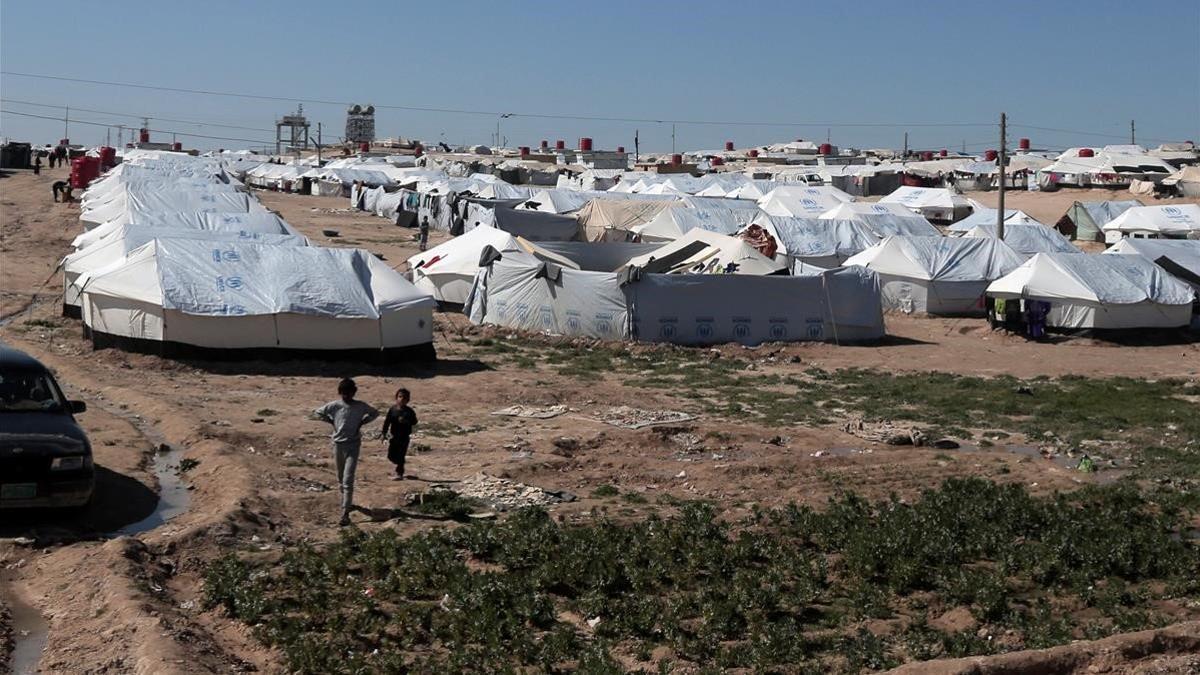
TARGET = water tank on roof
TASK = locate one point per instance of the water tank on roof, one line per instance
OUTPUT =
(143, 135)
(927, 155)
(728, 146)
(177, 146)
(369, 110)
(621, 149)
(545, 144)
(364, 147)
(560, 145)
(990, 156)
(754, 153)
(1023, 144)
(826, 149)
(355, 109)
(1087, 152)
(585, 144)
(677, 159)
(942, 153)
(524, 150)
(718, 161)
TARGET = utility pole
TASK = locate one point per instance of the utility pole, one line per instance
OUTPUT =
(1132, 135)
(637, 151)
(905, 153)
(318, 144)
(827, 132)
(1000, 213)
(66, 121)
(672, 138)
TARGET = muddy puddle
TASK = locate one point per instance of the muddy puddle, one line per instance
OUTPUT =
(173, 495)
(30, 632)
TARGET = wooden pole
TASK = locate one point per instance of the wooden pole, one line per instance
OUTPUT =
(1003, 154)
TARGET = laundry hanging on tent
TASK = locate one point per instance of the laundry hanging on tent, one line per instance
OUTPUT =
(761, 240)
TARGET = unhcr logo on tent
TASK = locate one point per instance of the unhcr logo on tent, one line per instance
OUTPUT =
(604, 323)
(228, 255)
(879, 209)
(574, 323)
(778, 329)
(811, 203)
(229, 283)
(666, 328)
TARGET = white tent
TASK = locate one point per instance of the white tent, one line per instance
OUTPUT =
(178, 297)
(447, 270)
(1180, 257)
(937, 275)
(933, 203)
(114, 247)
(824, 243)
(1026, 239)
(796, 201)
(1104, 291)
(884, 220)
(1176, 221)
(720, 253)
(673, 223)
(984, 215)
(1083, 220)
(139, 199)
(263, 222)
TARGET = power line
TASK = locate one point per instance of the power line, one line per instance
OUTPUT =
(1083, 133)
(496, 113)
(139, 116)
(157, 131)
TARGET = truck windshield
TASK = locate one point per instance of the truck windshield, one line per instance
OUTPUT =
(29, 391)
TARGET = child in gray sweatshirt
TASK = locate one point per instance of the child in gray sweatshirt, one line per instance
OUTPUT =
(347, 415)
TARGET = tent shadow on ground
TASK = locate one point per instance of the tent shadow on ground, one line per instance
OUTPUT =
(1142, 337)
(891, 341)
(117, 501)
(304, 368)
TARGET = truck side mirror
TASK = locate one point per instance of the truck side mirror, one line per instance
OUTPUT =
(77, 406)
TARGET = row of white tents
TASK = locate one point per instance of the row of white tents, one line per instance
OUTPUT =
(178, 259)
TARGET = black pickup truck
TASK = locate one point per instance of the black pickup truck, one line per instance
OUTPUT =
(45, 458)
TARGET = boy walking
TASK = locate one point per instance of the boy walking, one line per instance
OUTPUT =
(423, 234)
(347, 415)
(399, 421)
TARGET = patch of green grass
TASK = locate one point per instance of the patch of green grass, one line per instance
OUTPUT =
(187, 464)
(605, 491)
(781, 590)
(266, 412)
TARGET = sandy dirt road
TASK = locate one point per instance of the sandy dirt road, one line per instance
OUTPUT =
(263, 475)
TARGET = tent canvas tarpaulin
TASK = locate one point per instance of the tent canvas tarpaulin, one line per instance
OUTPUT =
(1099, 291)
(612, 219)
(263, 222)
(884, 220)
(1180, 257)
(701, 251)
(117, 245)
(1176, 220)
(538, 226)
(1084, 219)
(825, 243)
(521, 292)
(223, 298)
(1026, 239)
(675, 222)
(937, 275)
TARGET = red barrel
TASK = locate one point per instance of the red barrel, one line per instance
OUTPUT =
(989, 156)
(177, 146)
(364, 147)
(677, 159)
(545, 144)
(560, 145)
(1087, 152)
(621, 149)
(418, 150)
(754, 153)
(718, 161)
(825, 149)
(942, 153)
(927, 155)
(83, 171)
(524, 150)
(1023, 144)
(143, 135)
(108, 158)
(728, 146)
(585, 144)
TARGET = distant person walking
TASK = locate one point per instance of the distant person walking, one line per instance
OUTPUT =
(37, 164)
(397, 428)
(62, 154)
(59, 186)
(53, 156)
(347, 415)
(423, 234)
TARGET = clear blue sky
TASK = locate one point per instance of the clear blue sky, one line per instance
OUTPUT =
(1084, 66)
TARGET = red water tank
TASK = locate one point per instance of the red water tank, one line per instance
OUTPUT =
(754, 153)
(942, 153)
(621, 149)
(718, 161)
(1087, 152)
(524, 150)
(143, 135)
(364, 147)
(1023, 144)
(825, 149)
(560, 145)
(83, 171)
(418, 150)
(927, 155)
(108, 158)
(677, 159)
(728, 146)
(545, 144)
(585, 144)
(989, 156)
(177, 146)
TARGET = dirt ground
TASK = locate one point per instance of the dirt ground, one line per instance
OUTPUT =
(263, 475)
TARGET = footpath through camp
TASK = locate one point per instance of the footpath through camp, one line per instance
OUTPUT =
(653, 507)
